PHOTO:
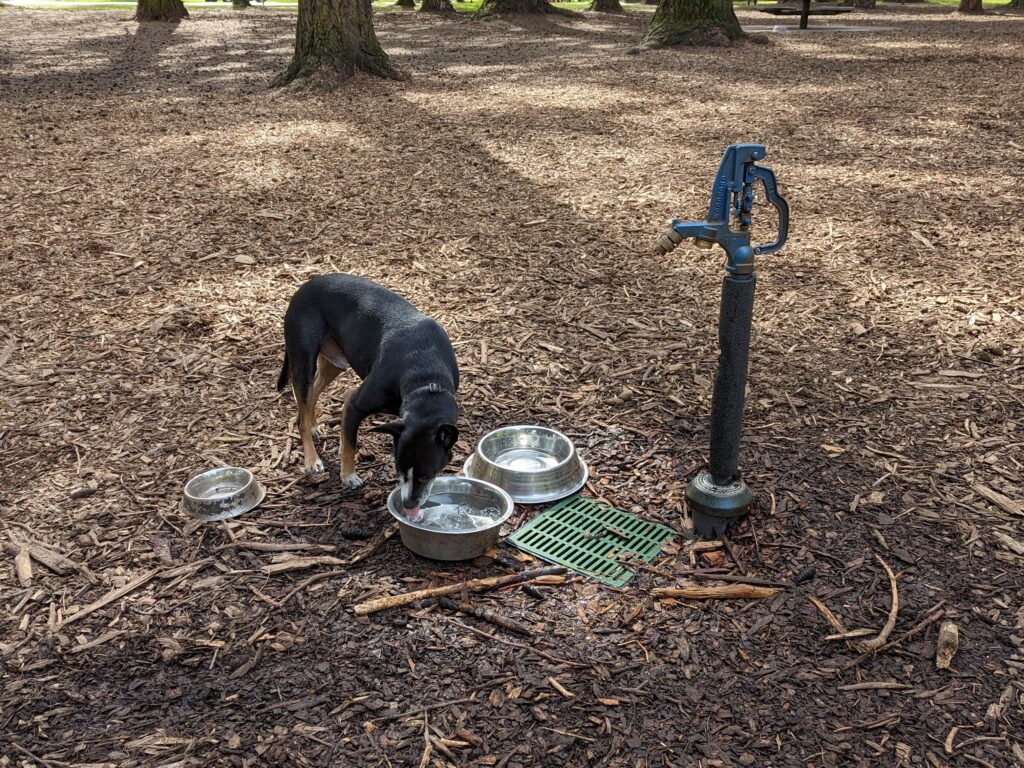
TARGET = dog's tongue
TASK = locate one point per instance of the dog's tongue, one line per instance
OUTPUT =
(413, 514)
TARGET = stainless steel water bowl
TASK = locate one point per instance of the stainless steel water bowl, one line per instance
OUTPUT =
(222, 493)
(456, 544)
(533, 464)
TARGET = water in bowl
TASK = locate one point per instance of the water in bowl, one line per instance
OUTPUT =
(525, 460)
(455, 512)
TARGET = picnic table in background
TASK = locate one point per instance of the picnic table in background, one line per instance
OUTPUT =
(804, 11)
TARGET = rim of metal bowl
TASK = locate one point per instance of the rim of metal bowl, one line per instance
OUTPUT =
(192, 480)
(559, 465)
(536, 498)
(189, 499)
(403, 520)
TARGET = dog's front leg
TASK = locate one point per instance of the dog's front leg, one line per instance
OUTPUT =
(351, 418)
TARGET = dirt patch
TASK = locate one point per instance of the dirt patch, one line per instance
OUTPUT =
(159, 206)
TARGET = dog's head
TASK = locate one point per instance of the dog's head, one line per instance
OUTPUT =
(422, 450)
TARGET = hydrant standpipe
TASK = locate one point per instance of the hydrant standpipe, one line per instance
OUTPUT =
(718, 497)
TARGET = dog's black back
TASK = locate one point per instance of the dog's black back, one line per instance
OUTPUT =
(379, 333)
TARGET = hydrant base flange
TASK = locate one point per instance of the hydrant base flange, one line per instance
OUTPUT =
(714, 507)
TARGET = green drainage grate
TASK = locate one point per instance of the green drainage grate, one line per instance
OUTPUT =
(583, 535)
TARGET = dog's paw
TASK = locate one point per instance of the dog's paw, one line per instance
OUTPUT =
(351, 481)
(316, 468)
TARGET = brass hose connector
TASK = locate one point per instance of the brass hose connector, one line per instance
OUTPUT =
(668, 242)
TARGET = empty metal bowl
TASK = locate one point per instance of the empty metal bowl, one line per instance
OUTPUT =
(462, 543)
(222, 493)
(534, 465)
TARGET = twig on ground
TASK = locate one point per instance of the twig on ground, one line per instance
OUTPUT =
(427, 746)
(923, 624)
(876, 643)
(40, 760)
(731, 552)
(487, 615)
(373, 546)
(472, 585)
(523, 646)
(737, 579)
(110, 597)
(717, 592)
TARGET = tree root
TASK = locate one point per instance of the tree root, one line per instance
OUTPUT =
(499, 8)
(703, 34)
(320, 74)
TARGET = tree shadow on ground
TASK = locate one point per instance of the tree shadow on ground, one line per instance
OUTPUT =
(491, 223)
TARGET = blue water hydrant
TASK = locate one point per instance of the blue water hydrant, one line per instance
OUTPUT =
(718, 497)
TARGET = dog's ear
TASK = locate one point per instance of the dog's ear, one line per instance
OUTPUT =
(393, 428)
(447, 434)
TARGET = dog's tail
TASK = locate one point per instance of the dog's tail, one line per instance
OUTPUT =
(282, 380)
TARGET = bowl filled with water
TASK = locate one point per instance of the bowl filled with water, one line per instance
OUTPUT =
(533, 464)
(459, 521)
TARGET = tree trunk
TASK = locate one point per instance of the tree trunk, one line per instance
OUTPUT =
(692, 22)
(336, 37)
(492, 7)
(1019, 4)
(437, 6)
(160, 10)
(606, 6)
(970, 6)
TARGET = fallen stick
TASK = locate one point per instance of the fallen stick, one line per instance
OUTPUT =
(110, 597)
(719, 592)
(472, 585)
(487, 615)
(270, 546)
(890, 624)
(373, 546)
(851, 635)
(830, 617)
(55, 561)
(523, 646)
(300, 564)
(1003, 502)
(923, 624)
(878, 685)
(737, 579)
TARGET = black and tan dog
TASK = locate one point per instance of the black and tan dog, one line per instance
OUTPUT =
(407, 366)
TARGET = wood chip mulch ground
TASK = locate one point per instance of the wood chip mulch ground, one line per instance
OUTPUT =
(159, 205)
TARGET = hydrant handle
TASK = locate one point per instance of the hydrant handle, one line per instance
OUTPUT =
(771, 192)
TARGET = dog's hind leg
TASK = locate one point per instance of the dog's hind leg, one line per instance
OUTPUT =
(307, 418)
(326, 372)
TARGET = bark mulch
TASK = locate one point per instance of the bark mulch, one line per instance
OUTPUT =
(158, 207)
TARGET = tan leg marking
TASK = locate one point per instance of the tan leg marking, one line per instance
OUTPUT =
(326, 371)
(310, 458)
(347, 455)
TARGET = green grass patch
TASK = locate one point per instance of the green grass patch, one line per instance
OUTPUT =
(389, 6)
